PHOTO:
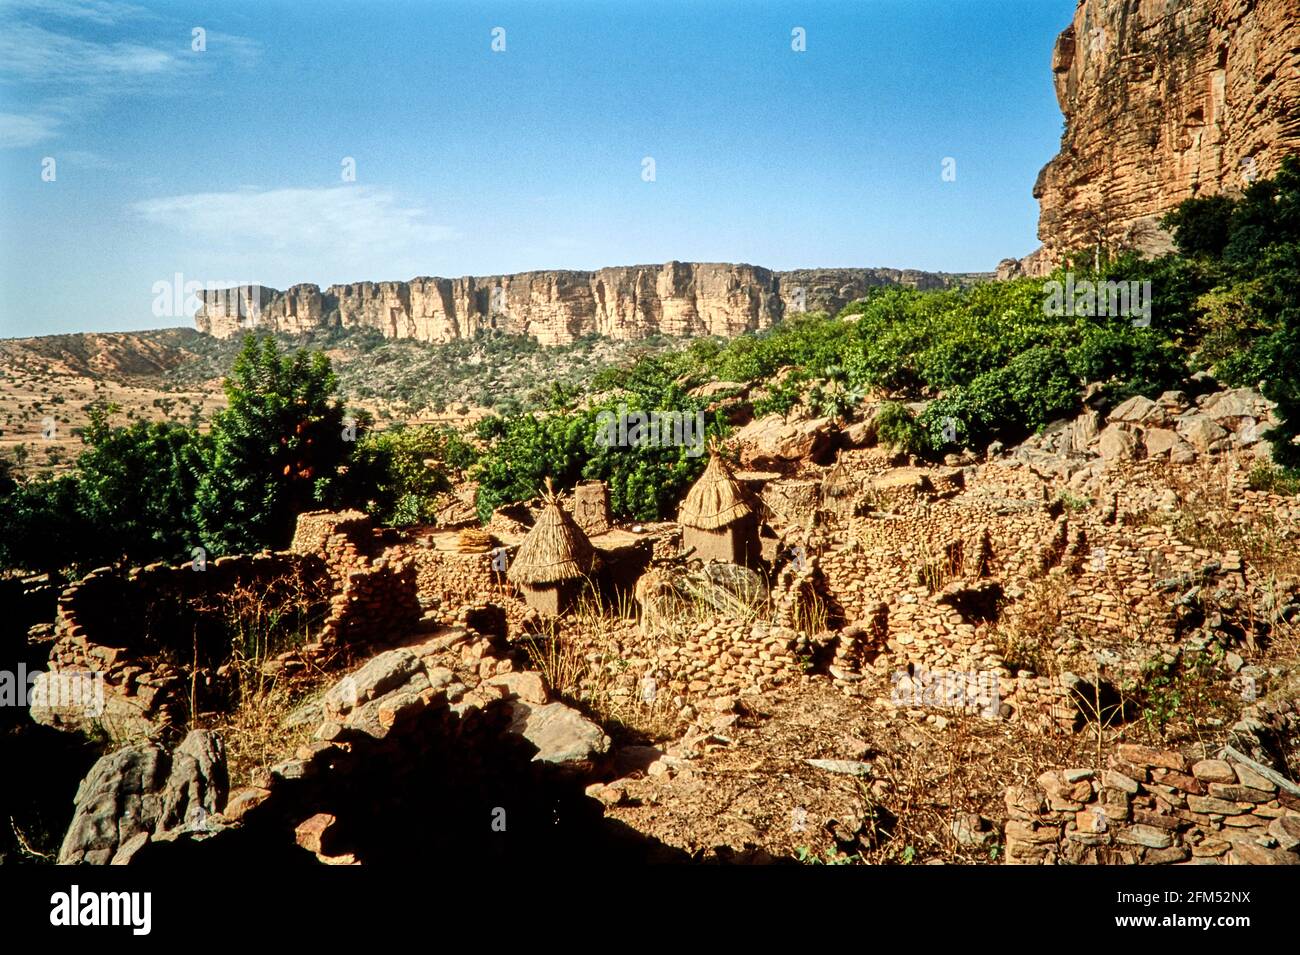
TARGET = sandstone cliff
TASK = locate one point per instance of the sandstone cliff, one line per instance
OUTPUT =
(555, 307)
(1163, 100)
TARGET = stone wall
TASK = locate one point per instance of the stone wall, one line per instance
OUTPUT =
(137, 629)
(446, 580)
(726, 657)
(1156, 807)
(375, 598)
(922, 567)
(147, 629)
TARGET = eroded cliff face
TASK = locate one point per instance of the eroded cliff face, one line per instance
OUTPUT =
(1164, 100)
(556, 307)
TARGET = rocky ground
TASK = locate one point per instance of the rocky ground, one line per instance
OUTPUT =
(1141, 560)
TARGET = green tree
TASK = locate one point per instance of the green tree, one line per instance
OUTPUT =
(397, 475)
(44, 529)
(137, 488)
(275, 450)
(1201, 226)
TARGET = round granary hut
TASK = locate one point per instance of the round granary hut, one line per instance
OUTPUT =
(555, 561)
(840, 490)
(719, 517)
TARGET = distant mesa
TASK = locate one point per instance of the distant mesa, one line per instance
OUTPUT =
(558, 307)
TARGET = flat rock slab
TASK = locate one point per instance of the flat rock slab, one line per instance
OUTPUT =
(561, 734)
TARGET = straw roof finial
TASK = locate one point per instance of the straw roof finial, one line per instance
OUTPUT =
(838, 480)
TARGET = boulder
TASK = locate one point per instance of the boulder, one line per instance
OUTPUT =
(900, 479)
(713, 389)
(140, 791)
(1117, 444)
(526, 685)
(771, 441)
(1139, 410)
(862, 434)
(1084, 431)
(1202, 433)
(380, 675)
(1236, 403)
(80, 701)
(561, 735)
(1174, 401)
(1165, 442)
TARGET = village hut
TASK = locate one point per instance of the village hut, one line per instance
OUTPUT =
(839, 490)
(719, 516)
(554, 561)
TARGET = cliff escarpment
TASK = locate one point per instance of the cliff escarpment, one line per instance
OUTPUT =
(556, 307)
(1164, 100)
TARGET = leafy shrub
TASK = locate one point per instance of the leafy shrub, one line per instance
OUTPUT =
(898, 428)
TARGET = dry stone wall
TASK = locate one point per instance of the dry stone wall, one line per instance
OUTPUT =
(124, 630)
(132, 631)
(1156, 807)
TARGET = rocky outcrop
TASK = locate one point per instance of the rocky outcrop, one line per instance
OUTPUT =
(774, 443)
(556, 307)
(140, 792)
(1163, 101)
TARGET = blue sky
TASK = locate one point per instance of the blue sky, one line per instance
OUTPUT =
(226, 164)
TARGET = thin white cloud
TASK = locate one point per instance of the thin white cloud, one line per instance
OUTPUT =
(18, 131)
(64, 76)
(33, 54)
(242, 49)
(85, 159)
(298, 220)
(103, 12)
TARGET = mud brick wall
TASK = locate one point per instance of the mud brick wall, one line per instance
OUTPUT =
(1155, 807)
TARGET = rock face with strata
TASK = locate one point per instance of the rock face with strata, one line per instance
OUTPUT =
(141, 792)
(1164, 101)
(557, 307)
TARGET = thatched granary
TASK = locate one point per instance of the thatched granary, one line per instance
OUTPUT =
(840, 490)
(719, 517)
(555, 560)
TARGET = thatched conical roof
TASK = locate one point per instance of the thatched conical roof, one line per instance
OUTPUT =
(555, 550)
(838, 481)
(717, 499)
